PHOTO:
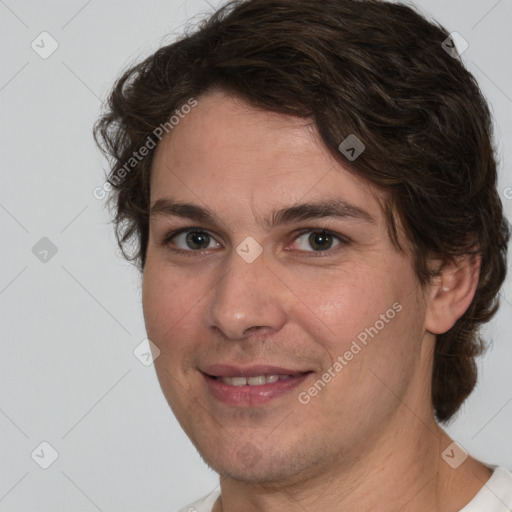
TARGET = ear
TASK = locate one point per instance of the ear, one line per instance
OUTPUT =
(451, 292)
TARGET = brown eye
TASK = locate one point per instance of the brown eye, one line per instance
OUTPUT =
(317, 241)
(320, 241)
(193, 240)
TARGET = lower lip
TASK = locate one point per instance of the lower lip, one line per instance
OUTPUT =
(252, 395)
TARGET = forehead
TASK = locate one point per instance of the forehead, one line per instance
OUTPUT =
(227, 154)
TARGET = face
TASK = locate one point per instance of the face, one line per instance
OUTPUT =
(289, 326)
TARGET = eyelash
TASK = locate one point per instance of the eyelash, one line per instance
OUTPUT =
(315, 254)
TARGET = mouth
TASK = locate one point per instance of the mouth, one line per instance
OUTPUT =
(257, 380)
(251, 386)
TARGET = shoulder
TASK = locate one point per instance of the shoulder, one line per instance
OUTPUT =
(495, 495)
(204, 504)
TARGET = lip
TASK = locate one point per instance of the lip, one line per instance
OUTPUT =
(227, 370)
(250, 396)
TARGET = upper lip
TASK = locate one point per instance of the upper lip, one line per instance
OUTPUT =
(227, 370)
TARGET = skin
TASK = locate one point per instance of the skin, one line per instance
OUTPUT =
(368, 440)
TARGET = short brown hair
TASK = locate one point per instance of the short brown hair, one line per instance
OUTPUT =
(374, 69)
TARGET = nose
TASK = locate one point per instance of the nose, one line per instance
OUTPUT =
(249, 297)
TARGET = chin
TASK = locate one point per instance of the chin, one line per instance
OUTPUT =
(250, 466)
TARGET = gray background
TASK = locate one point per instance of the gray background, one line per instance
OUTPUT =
(68, 375)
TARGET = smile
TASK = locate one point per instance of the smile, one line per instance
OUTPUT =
(259, 380)
(249, 387)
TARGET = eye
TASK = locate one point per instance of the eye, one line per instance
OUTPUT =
(197, 240)
(318, 241)
(192, 240)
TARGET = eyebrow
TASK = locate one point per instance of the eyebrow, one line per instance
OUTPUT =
(336, 208)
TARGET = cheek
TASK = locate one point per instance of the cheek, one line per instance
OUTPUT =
(369, 318)
(342, 305)
(371, 358)
(169, 299)
(171, 305)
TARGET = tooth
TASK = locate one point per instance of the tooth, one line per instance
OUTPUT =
(235, 381)
(256, 381)
(238, 381)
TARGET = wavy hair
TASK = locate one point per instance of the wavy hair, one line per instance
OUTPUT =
(365, 67)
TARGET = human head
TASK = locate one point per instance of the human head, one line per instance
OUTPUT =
(372, 69)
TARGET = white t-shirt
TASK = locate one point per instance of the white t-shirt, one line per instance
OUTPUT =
(494, 496)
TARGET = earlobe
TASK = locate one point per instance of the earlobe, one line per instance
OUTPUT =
(451, 292)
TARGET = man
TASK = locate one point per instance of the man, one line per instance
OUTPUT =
(311, 190)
